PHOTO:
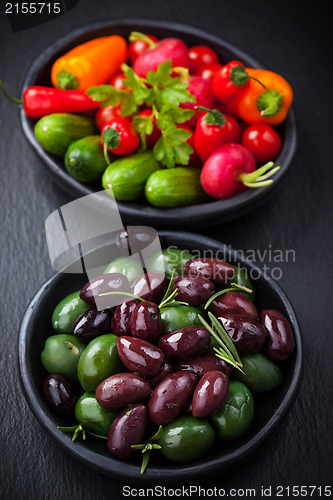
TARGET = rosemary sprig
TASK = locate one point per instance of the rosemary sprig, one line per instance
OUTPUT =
(147, 447)
(170, 295)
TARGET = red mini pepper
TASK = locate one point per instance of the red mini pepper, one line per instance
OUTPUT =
(39, 101)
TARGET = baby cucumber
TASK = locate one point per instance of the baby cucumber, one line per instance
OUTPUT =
(175, 187)
(84, 159)
(57, 131)
(127, 176)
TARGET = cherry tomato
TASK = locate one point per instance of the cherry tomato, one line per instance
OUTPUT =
(136, 48)
(152, 138)
(233, 129)
(263, 141)
(208, 70)
(125, 141)
(195, 160)
(104, 115)
(117, 81)
(199, 56)
(229, 81)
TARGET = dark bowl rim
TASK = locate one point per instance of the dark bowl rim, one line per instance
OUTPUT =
(127, 471)
(204, 213)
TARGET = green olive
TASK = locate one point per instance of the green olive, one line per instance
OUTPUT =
(169, 259)
(235, 416)
(175, 318)
(67, 311)
(186, 438)
(127, 266)
(92, 416)
(99, 361)
(61, 355)
(260, 373)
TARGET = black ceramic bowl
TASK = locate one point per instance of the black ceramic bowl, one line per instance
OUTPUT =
(270, 408)
(140, 212)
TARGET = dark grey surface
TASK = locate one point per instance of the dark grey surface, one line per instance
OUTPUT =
(298, 217)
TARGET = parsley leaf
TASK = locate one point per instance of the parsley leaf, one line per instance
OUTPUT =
(172, 148)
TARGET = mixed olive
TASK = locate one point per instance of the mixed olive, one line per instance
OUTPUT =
(184, 352)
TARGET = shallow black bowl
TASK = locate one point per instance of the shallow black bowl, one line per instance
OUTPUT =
(270, 408)
(140, 212)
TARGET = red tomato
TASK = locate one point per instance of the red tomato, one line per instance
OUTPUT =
(126, 141)
(118, 81)
(199, 56)
(233, 132)
(207, 72)
(152, 138)
(138, 46)
(263, 141)
(104, 115)
(195, 160)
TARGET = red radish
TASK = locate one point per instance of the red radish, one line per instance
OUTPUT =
(201, 55)
(230, 169)
(168, 48)
(139, 45)
(202, 91)
(194, 160)
(207, 72)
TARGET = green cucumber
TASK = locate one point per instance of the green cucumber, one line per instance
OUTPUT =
(175, 187)
(84, 159)
(56, 132)
(127, 176)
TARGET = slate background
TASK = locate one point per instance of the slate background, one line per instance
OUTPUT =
(291, 38)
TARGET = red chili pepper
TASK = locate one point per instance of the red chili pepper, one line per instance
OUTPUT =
(40, 101)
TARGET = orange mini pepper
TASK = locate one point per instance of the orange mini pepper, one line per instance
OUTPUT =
(89, 64)
(269, 102)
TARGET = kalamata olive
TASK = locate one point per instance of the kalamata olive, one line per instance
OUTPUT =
(121, 318)
(58, 393)
(127, 429)
(195, 290)
(133, 239)
(171, 396)
(210, 394)
(247, 334)
(113, 282)
(205, 363)
(216, 270)
(234, 303)
(150, 286)
(140, 356)
(280, 342)
(186, 343)
(122, 389)
(146, 321)
(166, 370)
(91, 324)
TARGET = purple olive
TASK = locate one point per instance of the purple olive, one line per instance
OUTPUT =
(171, 396)
(215, 270)
(127, 429)
(122, 317)
(280, 342)
(166, 370)
(122, 389)
(150, 286)
(146, 321)
(58, 393)
(210, 394)
(205, 363)
(247, 334)
(195, 290)
(112, 282)
(186, 343)
(133, 239)
(92, 324)
(234, 303)
(140, 356)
